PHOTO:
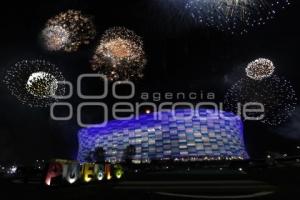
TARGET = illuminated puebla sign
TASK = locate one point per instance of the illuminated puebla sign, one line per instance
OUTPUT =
(70, 172)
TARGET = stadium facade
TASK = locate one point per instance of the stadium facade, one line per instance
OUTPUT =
(157, 136)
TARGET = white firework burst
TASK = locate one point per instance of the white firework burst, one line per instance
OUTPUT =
(35, 82)
(42, 84)
(260, 68)
(276, 94)
(234, 16)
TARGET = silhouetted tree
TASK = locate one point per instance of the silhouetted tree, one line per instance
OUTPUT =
(90, 157)
(129, 153)
(99, 155)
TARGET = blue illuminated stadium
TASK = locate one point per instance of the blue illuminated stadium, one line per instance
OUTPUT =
(205, 135)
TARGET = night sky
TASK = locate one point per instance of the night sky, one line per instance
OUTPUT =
(181, 57)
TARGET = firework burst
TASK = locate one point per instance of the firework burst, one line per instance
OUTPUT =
(260, 69)
(35, 82)
(276, 94)
(120, 55)
(55, 37)
(67, 31)
(234, 16)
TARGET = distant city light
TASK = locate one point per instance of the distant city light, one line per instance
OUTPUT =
(12, 170)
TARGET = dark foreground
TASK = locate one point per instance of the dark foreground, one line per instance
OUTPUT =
(279, 182)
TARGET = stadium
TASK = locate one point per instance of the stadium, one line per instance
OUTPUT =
(206, 135)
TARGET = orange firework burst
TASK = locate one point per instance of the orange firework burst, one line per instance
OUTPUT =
(120, 55)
